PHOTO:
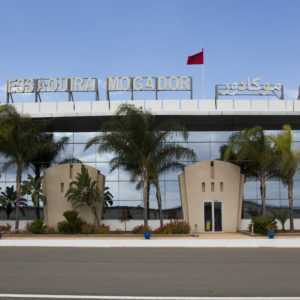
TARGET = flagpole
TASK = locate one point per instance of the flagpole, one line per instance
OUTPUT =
(203, 77)
(203, 82)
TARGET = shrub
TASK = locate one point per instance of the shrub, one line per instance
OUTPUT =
(72, 224)
(5, 228)
(50, 230)
(140, 229)
(37, 227)
(88, 228)
(282, 215)
(174, 228)
(263, 223)
(103, 229)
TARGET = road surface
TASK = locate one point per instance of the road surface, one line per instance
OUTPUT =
(150, 272)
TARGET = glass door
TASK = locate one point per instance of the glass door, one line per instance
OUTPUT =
(213, 216)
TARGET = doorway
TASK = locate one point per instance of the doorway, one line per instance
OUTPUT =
(213, 216)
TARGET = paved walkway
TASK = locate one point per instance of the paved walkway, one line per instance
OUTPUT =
(203, 241)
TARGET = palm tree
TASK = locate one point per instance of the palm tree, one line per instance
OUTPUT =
(287, 164)
(166, 157)
(18, 136)
(139, 141)
(46, 151)
(9, 201)
(84, 192)
(33, 186)
(253, 151)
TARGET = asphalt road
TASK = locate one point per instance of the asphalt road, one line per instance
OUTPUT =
(150, 272)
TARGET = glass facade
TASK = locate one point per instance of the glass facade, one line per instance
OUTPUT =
(206, 146)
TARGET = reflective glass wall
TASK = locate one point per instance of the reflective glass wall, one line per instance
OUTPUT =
(205, 144)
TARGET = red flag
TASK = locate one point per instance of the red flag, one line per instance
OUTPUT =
(196, 59)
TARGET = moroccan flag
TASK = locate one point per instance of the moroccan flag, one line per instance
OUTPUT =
(196, 59)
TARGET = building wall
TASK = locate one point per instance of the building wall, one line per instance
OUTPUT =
(57, 180)
(212, 181)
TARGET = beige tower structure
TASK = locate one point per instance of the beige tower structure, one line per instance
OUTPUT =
(56, 182)
(211, 196)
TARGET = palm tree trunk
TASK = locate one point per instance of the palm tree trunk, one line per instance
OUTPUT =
(37, 207)
(145, 198)
(291, 204)
(263, 194)
(18, 192)
(159, 203)
(97, 221)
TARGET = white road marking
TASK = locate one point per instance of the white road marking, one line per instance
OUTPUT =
(44, 296)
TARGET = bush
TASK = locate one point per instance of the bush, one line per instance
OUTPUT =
(72, 224)
(5, 228)
(103, 229)
(88, 228)
(37, 227)
(174, 228)
(50, 230)
(140, 229)
(263, 223)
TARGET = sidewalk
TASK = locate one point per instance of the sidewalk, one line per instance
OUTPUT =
(203, 241)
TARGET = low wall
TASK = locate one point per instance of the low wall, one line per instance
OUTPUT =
(118, 225)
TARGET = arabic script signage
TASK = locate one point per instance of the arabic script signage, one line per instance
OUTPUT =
(250, 87)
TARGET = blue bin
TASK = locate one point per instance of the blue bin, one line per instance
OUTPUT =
(147, 235)
(270, 233)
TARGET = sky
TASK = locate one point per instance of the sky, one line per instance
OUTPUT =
(257, 38)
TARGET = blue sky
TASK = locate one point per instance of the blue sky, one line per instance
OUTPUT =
(117, 37)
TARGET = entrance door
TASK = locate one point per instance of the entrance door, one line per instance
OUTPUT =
(213, 216)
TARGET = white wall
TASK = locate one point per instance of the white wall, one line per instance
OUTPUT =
(245, 224)
(118, 225)
(113, 224)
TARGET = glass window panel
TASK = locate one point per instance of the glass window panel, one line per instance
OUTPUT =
(131, 203)
(67, 153)
(124, 175)
(250, 190)
(283, 190)
(297, 190)
(296, 135)
(88, 155)
(215, 150)
(114, 189)
(220, 136)
(128, 191)
(59, 135)
(172, 194)
(272, 189)
(273, 203)
(10, 174)
(104, 156)
(284, 203)
(199, 136)
(202, 150)
(297, 209)
(84, 137)
(171, 175)
(104, 168)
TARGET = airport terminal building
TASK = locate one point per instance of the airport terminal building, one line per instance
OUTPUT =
(210, 123)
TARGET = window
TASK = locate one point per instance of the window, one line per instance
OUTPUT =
(62, 187)
(203, 187)
(212, 171)
(212, 187)
(221, 186)
(71, 172)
